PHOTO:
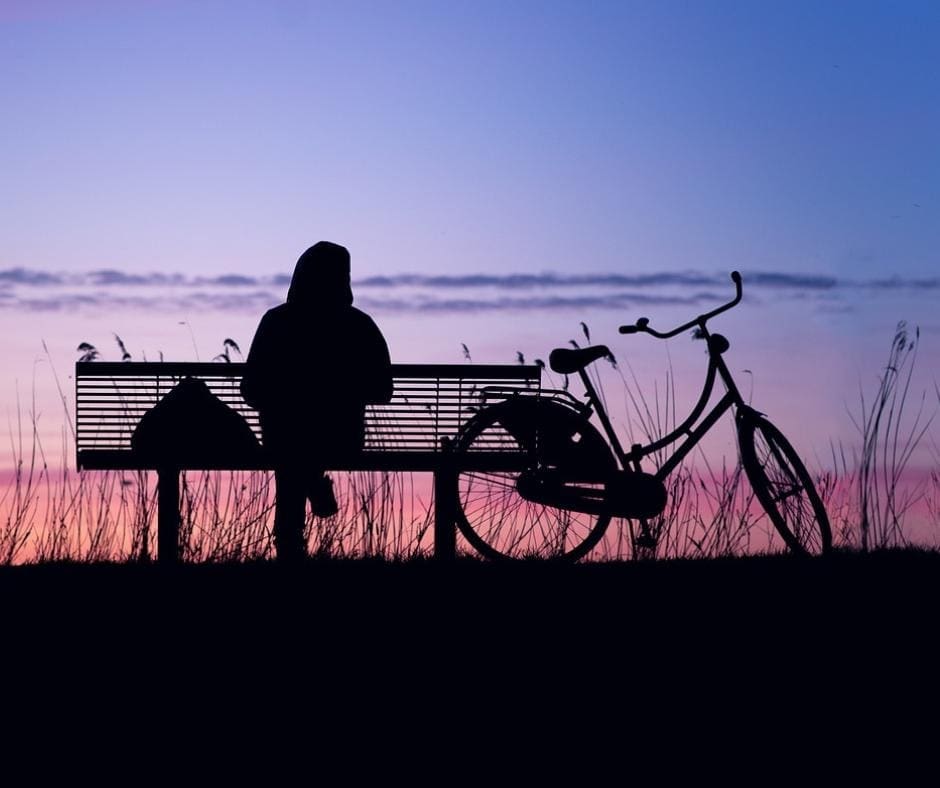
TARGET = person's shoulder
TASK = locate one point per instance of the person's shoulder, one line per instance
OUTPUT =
(275, 314)
(273, 323)
(360, 317)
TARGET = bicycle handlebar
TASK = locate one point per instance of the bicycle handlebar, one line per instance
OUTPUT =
(642, 325)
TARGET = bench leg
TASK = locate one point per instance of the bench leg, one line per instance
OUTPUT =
(168, 515)
(445, 507)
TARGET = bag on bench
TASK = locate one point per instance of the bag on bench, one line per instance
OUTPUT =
(191, 427)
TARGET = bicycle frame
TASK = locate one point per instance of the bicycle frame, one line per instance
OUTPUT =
(717, 345)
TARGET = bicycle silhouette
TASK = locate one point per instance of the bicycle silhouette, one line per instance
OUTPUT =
(560, 501)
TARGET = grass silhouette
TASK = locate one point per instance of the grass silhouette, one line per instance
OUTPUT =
(52, 513)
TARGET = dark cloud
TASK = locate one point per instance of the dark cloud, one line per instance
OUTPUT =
(791, 281)
(256, 301)
(27, 276)
(109, 288)
(229, 301)
(110, 276)
(608, 301)
(100, 301)
(532, 281)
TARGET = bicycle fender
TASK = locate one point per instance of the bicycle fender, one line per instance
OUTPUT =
(556, 436)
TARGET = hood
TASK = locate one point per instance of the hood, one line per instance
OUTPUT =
(321, 278)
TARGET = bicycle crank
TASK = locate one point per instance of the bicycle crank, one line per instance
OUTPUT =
(618, 494)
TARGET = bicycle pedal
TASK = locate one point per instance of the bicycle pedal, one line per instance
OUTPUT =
(646, 542)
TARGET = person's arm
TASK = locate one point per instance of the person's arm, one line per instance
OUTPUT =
(256, 382)
(377, 381)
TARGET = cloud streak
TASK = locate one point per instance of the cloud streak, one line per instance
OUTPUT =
(27, 276)
(37, 290)
(537, 281)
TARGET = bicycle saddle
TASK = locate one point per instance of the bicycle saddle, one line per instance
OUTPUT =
(565, 361)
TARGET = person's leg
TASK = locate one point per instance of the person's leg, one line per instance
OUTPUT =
(320, 492)
(289, 511)
(331, 445)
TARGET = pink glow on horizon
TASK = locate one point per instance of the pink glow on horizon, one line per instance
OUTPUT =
(109, 520)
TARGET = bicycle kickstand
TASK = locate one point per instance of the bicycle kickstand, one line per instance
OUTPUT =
(645, 539)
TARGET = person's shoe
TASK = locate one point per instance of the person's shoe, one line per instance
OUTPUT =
(290, 547)
(322, 499)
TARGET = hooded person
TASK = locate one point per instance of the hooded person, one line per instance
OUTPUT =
(314, 364)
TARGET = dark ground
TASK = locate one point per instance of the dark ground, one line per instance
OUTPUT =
(672, 610)
(843, 643)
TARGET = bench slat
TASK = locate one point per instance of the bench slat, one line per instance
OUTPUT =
(207, 369)
(430, 401)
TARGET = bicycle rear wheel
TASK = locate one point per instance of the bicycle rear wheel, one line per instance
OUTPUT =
(783, 485)
(501, 524)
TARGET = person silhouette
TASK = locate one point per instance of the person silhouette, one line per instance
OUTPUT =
(314, 364)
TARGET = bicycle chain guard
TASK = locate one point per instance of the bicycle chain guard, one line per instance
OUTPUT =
(619, 494)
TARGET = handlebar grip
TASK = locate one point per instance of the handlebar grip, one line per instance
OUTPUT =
(736, 277)
(628, 329)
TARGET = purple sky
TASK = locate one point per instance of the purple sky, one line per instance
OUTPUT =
(529, 165)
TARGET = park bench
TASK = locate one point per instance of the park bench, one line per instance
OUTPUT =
(411, 433)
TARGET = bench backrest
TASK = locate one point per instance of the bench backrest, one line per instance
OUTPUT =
(430, 401)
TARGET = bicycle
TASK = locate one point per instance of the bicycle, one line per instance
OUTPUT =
(559, 502)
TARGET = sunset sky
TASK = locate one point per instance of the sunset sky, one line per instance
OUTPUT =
(499, 171)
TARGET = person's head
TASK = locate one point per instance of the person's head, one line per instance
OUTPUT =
(321, 277)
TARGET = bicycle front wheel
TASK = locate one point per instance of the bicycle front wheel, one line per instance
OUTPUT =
(783, 486)
(501, 524)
